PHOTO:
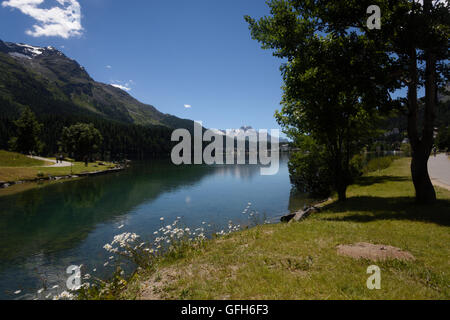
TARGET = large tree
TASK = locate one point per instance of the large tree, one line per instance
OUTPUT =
(81, 140)
(28, 130)
(413, 41)
(328, 93)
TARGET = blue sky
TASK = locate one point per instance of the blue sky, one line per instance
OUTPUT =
(169, 53)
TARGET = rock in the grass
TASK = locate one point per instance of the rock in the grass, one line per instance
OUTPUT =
(4, 185)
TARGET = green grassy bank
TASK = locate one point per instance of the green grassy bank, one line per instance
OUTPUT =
(17, 167)
(300, 260)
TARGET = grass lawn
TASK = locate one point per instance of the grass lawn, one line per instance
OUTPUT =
(17, 167)
(12, 159)
(299, 260)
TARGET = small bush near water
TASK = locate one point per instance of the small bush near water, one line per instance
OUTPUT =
(378, 164)
(310, 173)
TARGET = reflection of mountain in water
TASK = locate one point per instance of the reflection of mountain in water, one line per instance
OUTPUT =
(60, 216)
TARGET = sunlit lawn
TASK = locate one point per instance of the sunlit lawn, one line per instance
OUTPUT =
(299, 260)
(16, 167)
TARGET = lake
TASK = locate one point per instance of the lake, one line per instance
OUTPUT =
(45, 230)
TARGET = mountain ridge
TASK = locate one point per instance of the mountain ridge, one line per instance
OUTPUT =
(34, 76)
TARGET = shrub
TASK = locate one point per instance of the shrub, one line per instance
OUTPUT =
(406, 149)
(310, 173)
(357, 165)
(443, 139)
(379, 164)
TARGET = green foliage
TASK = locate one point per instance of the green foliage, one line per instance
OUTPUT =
(310, 171)
(120, 140)
(357, 166)
(339, 115)
(82, 140)
(443, 139)
(28, 130)
(378, 164)
(58, 85)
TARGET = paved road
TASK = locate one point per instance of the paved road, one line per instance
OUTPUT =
(55, 165)
(439, 168)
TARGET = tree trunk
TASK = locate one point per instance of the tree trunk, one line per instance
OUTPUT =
(342, 192)
(425, 193)
(340, 179)
(422, 146)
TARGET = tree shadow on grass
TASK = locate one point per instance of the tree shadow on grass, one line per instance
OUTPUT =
(371, 180)
(368, 209)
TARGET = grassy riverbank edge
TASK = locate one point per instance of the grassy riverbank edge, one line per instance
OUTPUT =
(300, 260)
(19, 173)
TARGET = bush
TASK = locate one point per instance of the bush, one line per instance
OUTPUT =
(311, 173)
(357, 165)
(379, 164)
(406, 149)
(443, 139)
(311, 169)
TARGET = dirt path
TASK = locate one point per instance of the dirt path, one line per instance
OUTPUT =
(55, 165)
(439, 169)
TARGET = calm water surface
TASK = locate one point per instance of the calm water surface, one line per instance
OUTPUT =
(45, 230)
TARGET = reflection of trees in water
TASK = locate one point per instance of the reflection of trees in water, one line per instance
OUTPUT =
(60, 216)
(29, 201)
(84, 194)
(298, 200)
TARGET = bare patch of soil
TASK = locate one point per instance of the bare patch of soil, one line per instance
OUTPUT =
(374, 252)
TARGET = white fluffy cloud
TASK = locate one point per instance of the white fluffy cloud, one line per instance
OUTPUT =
(62, 20)
(187, 106)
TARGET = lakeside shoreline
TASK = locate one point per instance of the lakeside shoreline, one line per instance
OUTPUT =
(21, 173)
(7, 184)
(263, 262)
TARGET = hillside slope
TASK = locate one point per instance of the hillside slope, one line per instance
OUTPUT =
(51, 83)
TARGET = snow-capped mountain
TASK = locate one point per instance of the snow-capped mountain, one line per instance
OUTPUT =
(25, 51)
(49, 82)
(242, 132)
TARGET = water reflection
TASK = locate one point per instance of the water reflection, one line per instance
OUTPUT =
(42, 231)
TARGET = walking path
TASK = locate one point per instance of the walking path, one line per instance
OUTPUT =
(55, 165)
(439, 169)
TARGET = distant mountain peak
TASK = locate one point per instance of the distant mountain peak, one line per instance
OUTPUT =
(246, 128)
(48, 81)
(26, 51)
